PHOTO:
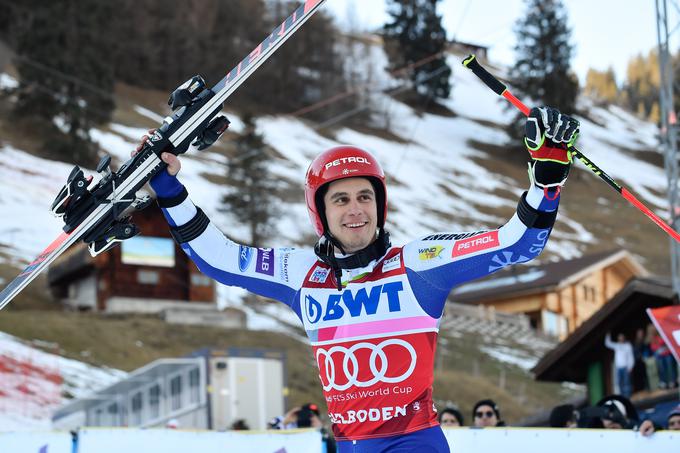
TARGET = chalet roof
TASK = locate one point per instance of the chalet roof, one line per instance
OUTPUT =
(625, 312)
(524, 280)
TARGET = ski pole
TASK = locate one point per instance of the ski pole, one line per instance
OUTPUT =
(500, 89)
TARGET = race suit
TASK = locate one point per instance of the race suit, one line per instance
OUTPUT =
(374, 341)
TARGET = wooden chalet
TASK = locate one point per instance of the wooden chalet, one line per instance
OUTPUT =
(583, 358)
(557, 297)
(148, 273)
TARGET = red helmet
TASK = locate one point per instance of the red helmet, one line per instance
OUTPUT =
(339, 163)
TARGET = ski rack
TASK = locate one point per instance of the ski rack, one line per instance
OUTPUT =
(174, 136)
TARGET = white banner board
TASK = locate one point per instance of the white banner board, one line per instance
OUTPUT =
(93, 440)
(461, 440)
(36, 442)
(542, 440)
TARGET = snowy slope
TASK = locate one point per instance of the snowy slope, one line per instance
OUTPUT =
(34, 383)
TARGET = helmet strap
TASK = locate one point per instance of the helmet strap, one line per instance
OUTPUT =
(325, 251)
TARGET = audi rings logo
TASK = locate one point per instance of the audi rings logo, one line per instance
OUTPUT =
(352, 369)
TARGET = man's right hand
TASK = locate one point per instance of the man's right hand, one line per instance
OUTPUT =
(174, 165)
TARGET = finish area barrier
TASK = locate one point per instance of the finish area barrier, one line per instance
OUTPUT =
(461, 440)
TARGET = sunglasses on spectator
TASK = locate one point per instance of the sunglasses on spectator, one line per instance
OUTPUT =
(487, 414)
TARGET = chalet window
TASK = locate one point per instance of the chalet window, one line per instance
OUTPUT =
(154, 402)
(112, 415)
(194, 386)
(176, 393)
(136, 409)
(146, 277)
(98, 417)
(200, 280)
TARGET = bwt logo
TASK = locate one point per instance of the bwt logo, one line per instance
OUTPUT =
(347, 160)
(337, 304)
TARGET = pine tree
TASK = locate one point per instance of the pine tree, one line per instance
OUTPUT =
(544, 52)
(254, 188)
(65, 79)
(414, 34)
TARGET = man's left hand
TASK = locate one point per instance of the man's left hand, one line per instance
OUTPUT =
(549, 137)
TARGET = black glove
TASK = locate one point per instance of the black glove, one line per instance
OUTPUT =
(549, 137)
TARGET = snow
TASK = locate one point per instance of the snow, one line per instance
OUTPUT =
(530, 276)
(8, 82)
(33, 383)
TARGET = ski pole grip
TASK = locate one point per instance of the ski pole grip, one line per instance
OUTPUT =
(471, 63)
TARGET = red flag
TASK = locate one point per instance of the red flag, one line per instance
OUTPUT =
(667, 322)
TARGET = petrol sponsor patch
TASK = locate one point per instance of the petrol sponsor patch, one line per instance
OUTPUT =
(475, 244)
(245, 257)
(430, 253)
(320, 275)
(265, 261)
(391, 264)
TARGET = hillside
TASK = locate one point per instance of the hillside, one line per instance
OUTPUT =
(473, 366)
(448, 171)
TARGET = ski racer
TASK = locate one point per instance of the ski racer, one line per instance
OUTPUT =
(371, 310)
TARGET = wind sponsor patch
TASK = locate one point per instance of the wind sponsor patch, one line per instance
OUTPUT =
(430, 253)
(475, 244)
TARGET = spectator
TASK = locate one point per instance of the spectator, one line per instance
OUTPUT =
(623, 361)
(173, 423)
(450, 417)
(486, 413)
(240, 425)
(564, 416)
(617, 412)
(306, 416)
(668, 373)
(674, 419)
(640, 352)
(650, 360)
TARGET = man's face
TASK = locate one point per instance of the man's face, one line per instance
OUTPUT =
(485, 416)
(621, 338)
(674, 423)
(351, 212)
(609, 424)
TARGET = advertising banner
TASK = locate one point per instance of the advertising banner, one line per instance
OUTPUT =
(36, 442)
(93, 440)
(667, 322)
(542, 440)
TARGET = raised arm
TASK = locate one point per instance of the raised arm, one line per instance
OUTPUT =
(276, 273)
(438, 262)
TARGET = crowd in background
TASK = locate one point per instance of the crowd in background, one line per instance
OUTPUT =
(645, 364)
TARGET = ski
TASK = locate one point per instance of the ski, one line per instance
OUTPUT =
(98, 215)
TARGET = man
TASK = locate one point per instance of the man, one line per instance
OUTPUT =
(623, 362)
(618, 412)
(674, 419)
(485, 414)
(564, 416)
(371, 310)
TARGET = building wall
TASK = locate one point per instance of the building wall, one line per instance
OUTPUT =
(576, 302)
